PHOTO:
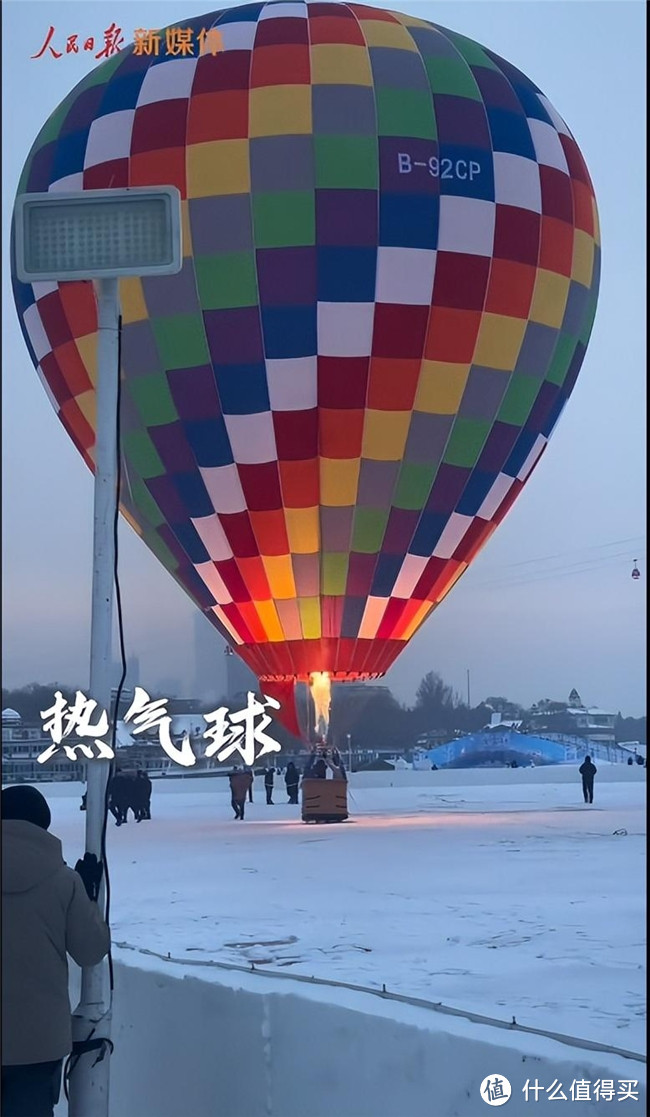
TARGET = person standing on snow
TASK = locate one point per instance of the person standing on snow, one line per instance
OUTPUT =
(141, 796)
(48, 912)
(269, 776)
(292, 780)
(588, 771)
(240, 784)
(119, 796)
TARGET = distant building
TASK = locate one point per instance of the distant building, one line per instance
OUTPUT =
(595, 724)
(589, 722)
(23, 743)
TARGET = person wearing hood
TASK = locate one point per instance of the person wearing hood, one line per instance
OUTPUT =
(292, 780)
(588, 771)
(48, 912)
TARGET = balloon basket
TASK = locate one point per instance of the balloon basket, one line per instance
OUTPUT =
(324, 800)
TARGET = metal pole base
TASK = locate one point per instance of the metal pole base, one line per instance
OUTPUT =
(91, 1069)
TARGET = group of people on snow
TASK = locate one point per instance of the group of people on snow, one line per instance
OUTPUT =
(129, 791)
(321, 760)
(241, 786)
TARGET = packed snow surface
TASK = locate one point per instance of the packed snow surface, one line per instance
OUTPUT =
(506, 899)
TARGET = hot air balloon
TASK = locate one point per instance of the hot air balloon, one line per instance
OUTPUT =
(391, 267)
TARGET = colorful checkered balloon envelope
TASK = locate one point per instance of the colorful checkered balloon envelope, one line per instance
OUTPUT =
(391, 262)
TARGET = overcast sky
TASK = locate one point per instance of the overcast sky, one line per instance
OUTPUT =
(550, 603)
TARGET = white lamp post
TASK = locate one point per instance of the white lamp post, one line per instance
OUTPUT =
(99, 235)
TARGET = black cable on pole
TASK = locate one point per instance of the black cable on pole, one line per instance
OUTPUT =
(101, 1045)
(120, 627)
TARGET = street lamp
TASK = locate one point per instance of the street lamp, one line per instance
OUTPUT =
(100, 235)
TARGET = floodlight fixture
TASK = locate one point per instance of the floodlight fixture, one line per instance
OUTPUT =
(98, 234)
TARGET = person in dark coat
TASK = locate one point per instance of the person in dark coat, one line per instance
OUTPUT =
(141, 796)
(588, 771)
(240, 785)
(147, 801)
(335, 763)
(137, 797)
(249, 772)
(269, 776)
(292, 780)
(119, 796)
(49, 911)
(316, 768)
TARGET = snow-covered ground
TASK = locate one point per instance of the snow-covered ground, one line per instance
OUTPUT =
(506, 899)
